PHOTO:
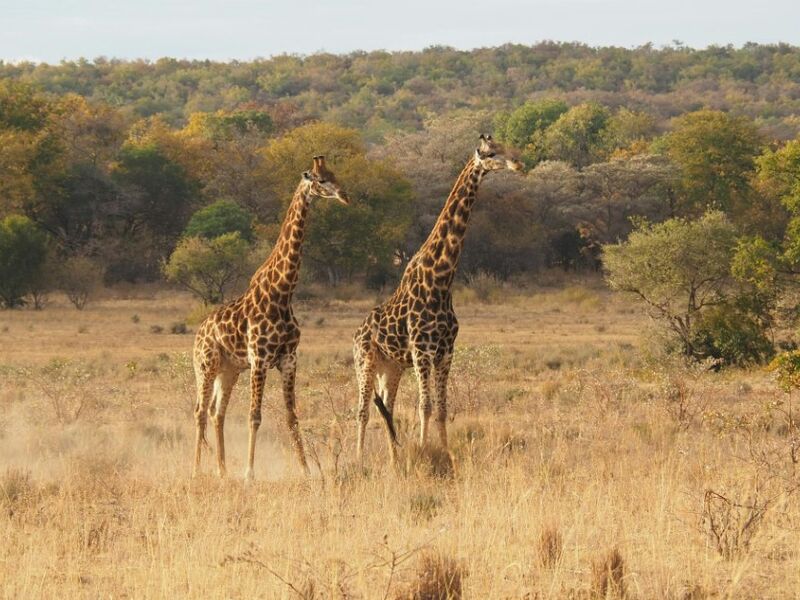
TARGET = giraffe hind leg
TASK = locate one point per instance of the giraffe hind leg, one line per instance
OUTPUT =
(223, 387)
(423, 369)
(288, 369)
(387, 379)
(441, 374)
(365, 368)
(205, 389)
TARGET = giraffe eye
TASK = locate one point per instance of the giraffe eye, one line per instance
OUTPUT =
(490, 155)
(322, 181)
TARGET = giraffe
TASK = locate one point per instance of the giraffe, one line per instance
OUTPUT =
(417, 327)
(258, 330)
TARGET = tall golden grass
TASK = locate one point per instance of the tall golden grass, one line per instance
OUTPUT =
(579, 469)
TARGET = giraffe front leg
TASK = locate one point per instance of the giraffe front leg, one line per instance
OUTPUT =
(288, 369)
(365, 374)
(205, 388)
(423, 369)
(442, 373)
(258, 375)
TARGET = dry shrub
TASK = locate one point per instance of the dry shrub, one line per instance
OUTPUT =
(79, 278)
(69, 389)
(681, 394)
(608, 574)
(16, 489)
(466, 437)
(508, 441)
(198, 313)
(429, 461)
(471, 389)
(551, 547)
(179, 328)
(731, 525)
(695, 592)
(437, 577)
(487, 287)
(424, 506)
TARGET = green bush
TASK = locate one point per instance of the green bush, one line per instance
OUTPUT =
(23, 251)
(733, 336)
(210, 269)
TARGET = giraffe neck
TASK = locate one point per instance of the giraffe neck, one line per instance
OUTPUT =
(442, 250)
(277, 276)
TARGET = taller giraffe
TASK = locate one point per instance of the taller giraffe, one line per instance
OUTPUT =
(417, 327)
(258, 331)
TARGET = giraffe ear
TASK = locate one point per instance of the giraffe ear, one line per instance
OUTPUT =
(307, 175)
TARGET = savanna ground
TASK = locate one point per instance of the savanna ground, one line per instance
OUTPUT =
(584, 465)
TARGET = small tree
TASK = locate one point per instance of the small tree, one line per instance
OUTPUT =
(579, 136)
(210, 269)
(678, 267)
(46, 280)
(79, 278)
(23, 250)
(223, 216)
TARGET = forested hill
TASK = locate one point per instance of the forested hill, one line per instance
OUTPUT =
(378, 92)
(121, 168)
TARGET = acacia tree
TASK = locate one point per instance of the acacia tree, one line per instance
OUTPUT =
(678, 268)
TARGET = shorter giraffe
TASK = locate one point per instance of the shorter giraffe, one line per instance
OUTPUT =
(258, 330)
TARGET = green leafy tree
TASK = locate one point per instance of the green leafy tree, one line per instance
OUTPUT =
(210, 269)
(678, 268)
(579, 136)
(23, 250)
(159, 194)
(715, 152)
(219, 218)
(21, 108)
(628, 127)
(731, 333)
(524, 126)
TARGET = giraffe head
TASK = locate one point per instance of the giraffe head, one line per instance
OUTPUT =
(322, 182)
(494, 157)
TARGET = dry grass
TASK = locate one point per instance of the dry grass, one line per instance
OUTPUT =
(570, 453)
(608, 576)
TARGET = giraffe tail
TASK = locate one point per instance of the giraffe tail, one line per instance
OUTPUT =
(387, 416)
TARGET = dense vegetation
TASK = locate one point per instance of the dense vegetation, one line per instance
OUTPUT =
(143, 169)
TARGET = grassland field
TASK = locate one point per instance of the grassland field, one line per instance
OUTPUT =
(584, 464)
